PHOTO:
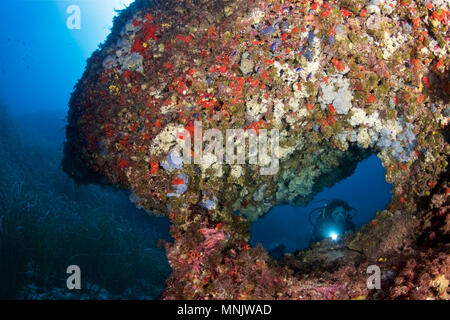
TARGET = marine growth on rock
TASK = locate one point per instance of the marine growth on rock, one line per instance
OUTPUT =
(337, 80)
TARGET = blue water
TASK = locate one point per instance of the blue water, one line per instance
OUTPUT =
(41, 60)
(366, 190)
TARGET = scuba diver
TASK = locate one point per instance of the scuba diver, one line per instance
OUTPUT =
(334, 219)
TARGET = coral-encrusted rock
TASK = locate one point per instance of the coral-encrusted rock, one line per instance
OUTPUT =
(338, 80)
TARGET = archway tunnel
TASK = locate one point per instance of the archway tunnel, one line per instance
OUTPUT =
(287, 228)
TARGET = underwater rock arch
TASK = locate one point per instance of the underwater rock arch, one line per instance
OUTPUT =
(333, 79)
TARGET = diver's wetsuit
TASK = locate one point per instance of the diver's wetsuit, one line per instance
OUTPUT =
(326, 224)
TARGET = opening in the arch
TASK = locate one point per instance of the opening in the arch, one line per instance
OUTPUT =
(287, 228)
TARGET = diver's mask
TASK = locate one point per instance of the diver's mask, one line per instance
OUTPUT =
(339, 214)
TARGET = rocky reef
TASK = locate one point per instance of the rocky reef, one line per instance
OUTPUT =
(335, 80)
